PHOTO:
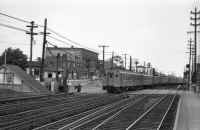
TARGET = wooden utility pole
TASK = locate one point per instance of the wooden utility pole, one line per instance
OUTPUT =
(144, 70)
(57, 62)
(112, 64)
(103, 46)
(130, 66)
(125, 60)
(43, 50)
(66, 72)
(195, 24)
(190, 55)
(5, 57)
(32, 26)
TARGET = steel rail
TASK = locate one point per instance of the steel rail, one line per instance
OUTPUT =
(43, 108)
(145, 113)
(117, 109)
(96, 117)
(166, 112)
(110, 106)
(35, 105)
(78, 115)
(39, 117)
(116, 114)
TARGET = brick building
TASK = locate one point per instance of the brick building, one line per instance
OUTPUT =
(79, 62)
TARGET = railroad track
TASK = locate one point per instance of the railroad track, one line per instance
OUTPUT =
(150, 112)
(35, 118)
(92, 118)
(77, 119)
(122, 118)
(12, 108)
(153, 118)
(28, 98)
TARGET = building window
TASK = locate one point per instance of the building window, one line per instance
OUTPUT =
(49, 75)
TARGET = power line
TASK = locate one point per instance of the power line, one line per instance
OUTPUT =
(76, 43)
(51, 30)
(13, 27)
(13, 43)
(59, 40)
(50, 43)
(61, 36)
(16, 18)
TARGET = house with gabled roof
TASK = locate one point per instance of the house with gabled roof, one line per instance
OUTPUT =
(13, 77)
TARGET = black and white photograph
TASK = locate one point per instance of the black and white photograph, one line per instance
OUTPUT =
(99, 65)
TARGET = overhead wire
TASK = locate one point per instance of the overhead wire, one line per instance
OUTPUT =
(58, 40)
(51, 30)
(16, 18)
(50, 43)
(73, 42)
(13, 27)
(14, 43)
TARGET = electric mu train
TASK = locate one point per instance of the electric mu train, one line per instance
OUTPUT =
(116, 80)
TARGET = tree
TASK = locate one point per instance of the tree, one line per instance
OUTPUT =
(14, 57)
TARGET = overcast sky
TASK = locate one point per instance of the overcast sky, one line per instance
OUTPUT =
(149, 30)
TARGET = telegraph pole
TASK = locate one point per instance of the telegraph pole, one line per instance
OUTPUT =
(32, 26)
(192, 52)
(144, 67)
(190, 55)
(57, 62)
(195, 24)
(103, 46)
(125, 60)
(112, 60)
(66, 72)
(43, 50)
(5, 56)
(130, 66)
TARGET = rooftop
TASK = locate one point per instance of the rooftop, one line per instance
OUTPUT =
(71, 48)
